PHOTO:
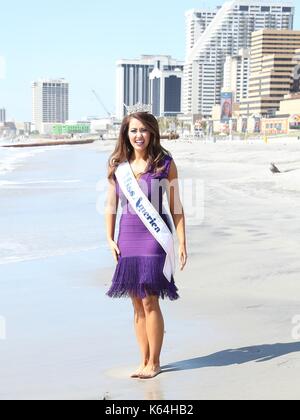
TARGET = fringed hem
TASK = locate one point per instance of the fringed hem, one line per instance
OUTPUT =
(140, 277)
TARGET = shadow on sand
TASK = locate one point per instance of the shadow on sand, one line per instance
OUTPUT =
(257, 354)
(290, 170)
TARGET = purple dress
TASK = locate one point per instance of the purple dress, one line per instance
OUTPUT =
(139, 272)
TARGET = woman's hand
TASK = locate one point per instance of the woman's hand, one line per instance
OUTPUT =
(183, 257)
(115, 250)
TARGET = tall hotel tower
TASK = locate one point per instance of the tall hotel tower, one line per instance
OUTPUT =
(212, 36)
(274, 60)
(154, 80)
(50, 102)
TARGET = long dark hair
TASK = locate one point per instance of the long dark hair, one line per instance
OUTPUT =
(124, 150)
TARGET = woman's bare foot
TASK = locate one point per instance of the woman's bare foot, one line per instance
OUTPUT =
(150, 372)
(138, 372)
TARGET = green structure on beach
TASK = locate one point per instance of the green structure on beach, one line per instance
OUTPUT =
(61, 129)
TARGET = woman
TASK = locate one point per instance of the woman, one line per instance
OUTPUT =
(139, 256)
(226, 111)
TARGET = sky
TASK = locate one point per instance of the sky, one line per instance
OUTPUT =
(81, 42)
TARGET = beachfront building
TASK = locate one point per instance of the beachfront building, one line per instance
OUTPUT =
(287, 119)
(50, 102)
(134, 84)
(67, 129)
(290, 104)
(281, 124)
(165, 90)
(8, 129)
(275, 57)
(236, 74)
(2, 115)
(214, 35)
(71, 128)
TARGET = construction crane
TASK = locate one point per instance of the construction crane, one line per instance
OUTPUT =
(101, 103)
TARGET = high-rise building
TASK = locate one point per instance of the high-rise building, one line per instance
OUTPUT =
(214, 35)
(274, 57)
(165, 90)
(2, 115)
(133, 82)
(236, 74)
(50, 102)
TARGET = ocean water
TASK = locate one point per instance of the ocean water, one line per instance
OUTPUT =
(55, 268)
(11, 159)
(48, 203)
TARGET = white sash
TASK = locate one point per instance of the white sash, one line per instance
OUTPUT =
(148, 215)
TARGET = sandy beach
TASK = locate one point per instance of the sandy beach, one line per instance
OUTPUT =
(230, 336)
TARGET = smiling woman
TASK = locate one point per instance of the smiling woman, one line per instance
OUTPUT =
(139, 137)
(144, 252)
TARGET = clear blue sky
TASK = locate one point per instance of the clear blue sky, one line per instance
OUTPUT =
(81, 41)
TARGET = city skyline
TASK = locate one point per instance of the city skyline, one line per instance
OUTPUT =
(214, 36)
(82, 45)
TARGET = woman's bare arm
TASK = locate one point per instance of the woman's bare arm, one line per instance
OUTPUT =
(111, 210)
(177, 212)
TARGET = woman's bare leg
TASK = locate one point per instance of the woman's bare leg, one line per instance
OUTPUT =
(155, 333)
(141, 334)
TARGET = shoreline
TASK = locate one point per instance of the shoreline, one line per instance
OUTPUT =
(49, 143)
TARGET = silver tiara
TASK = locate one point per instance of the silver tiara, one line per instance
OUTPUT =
(139, 107)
